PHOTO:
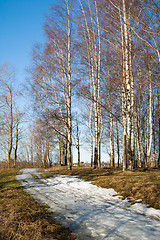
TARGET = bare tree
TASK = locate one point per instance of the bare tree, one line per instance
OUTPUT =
(7, 77)
(52, 72)
(90, 31)
(18, 121)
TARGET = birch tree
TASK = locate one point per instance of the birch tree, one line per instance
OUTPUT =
(7, 97)
(78, 141)
(53, 83)
(92, 38)
(117, 46)
(127, 90)
(18, 119)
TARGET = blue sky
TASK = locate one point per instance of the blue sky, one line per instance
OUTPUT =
(21, 26)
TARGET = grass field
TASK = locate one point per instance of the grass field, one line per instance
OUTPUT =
(21, 217)
(139, 184)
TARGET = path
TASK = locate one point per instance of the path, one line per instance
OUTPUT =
(92, 212)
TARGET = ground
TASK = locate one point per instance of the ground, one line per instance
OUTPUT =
(92, 212)
(21, 217)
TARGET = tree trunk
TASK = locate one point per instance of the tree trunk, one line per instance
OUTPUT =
(138, 139)
(69, 91)
(60, 152)
(17, 138)
(111, 141)
(147, 130)
(78, 147)
(159, 130)
(99, 152)
(63, 153)
(66, 153)
(16, 148)
(150, 122)
(124, 153)
(124, 158)
(93, 42)
(31, 151)
(118, 152)
(132, 109)
(154, 136)
(91, 151)
(127, 90)
(11, 128)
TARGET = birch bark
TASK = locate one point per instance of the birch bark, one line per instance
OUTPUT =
(111, 140)
(17, 137)
(69, 91)
(158, 129)
(118, 148)
(127, 90)
(93, 41)
(150, 122)
(78, 146)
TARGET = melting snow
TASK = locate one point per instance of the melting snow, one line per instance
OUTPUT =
(92, 212)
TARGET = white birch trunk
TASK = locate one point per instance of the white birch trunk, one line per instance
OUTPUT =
(138, 139)
(78, 146)
(124, 122)
(111, 141)
(127, 92)
(150, 122)
(93, 42)
(132, 110)
(118, 148)
(17, 137)
(147, 128)
(69, 91)
(154, 136)
(158, 128)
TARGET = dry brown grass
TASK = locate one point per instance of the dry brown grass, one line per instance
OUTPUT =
(21, 218)
(139, 184)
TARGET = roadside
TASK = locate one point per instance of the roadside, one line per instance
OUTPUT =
(142, 185)
(21, 217)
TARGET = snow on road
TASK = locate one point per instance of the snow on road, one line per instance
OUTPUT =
(90, 211)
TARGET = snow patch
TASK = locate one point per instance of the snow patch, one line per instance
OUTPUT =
(93, 212)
